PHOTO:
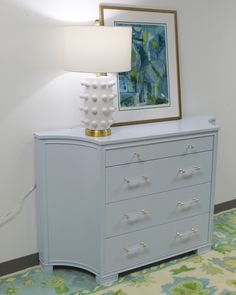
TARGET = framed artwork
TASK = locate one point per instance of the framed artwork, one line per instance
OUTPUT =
(151, 90)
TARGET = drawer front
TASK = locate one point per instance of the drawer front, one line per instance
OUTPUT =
(158, 150)
(144, 178)
(147, 245)
(131, 215)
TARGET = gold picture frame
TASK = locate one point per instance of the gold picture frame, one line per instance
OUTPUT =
(147, 101)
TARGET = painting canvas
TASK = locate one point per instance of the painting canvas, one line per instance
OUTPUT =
(150, 91)
(147, 84)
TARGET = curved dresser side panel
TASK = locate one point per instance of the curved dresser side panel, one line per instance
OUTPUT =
(69, 197)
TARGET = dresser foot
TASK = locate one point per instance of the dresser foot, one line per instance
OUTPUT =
(106, 279)
(203, 250)
(48, 269)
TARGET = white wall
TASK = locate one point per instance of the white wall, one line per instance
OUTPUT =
(35, 94)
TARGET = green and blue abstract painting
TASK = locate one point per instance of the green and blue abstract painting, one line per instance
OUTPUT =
(147, 84)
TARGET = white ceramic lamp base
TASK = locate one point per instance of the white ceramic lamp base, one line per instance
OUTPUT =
(98, 106)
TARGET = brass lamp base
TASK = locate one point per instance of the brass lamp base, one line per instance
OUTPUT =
(97, 133)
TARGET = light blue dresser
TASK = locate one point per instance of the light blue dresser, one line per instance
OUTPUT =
(115, 203)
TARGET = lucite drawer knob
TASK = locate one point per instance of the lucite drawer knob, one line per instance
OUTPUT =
(179, 235)
(126, 179)
(145, 178)
(191, 146)
(126, 249)
(143, 244)
(190, 171)
(188, 203)
(194, 230)
(196, 200)
(182, 171)
(127, 216)
(180, 204)
(135, 249)
(186, 235)
(196, 168)
(144, 211)
(136, 182)
(136, 155)
(133, 216)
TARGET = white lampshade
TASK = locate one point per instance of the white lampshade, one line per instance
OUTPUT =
(97, 49)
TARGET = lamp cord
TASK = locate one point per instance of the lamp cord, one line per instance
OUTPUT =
(11, 214)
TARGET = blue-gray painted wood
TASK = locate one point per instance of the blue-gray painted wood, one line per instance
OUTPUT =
(112, 204)
(148, 244)
(138, 133)
(70, 168)
(131, 215)
(163, 174)
(158, 150)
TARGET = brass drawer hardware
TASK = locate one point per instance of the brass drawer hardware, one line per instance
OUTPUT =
(191, 146)
(135, 249)
(136, 155)
(186, 235)
(188, 203)
(132, 216)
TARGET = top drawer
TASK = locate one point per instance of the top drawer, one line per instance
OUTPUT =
(146, 152)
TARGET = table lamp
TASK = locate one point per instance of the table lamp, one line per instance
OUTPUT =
(100, 50)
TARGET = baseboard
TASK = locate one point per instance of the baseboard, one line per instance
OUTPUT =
(33, 259)
(18, 264)
(225, 206)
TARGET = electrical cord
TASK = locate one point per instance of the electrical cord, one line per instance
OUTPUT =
(11, 214)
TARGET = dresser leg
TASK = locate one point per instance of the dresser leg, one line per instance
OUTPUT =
(203, 250)
(106, 279)
(48, 269)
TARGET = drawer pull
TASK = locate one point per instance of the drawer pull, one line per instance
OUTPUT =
(126, 179)
(135, 249)
(143, 244)
(144, 211)
(194, 230)
(182, 171)
(188, 204)
(190, 171)
(137, 181)
(186, 172)
(145, 178)
(196, 200)
(133, 216)
(196, 168)
(179, 235)
(191, 146)
(180, 204)
(186, 235)
(136, 155)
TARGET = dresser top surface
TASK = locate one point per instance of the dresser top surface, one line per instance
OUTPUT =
(186, 126)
